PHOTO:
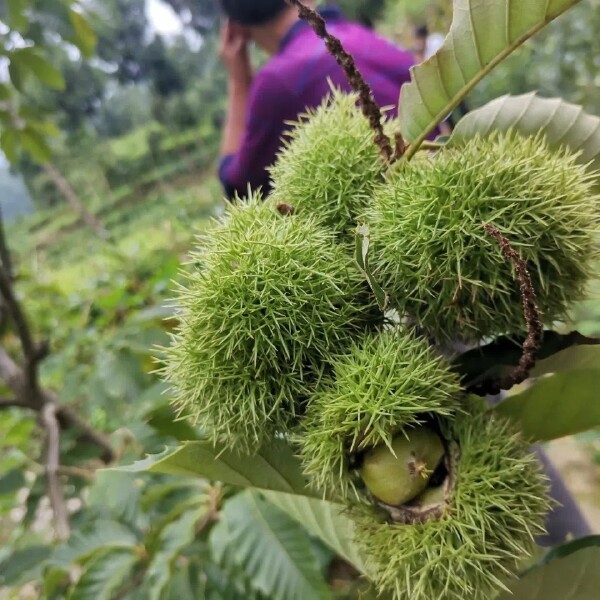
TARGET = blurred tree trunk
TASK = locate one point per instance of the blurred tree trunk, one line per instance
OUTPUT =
(74, 201)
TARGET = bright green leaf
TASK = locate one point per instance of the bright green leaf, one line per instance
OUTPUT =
(104, 575)
(563, 124)
(324, 520)
(35, 145)
(274, 468)
(44, 127)
(85, 38)
(482, 34)
(556, 406)
(10, 144)
(568, 573)
(16, 14)
(31, 61)
(272, 549)
(571, 359)
(5, 93)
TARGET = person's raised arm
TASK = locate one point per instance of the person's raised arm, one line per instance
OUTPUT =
(234, 54)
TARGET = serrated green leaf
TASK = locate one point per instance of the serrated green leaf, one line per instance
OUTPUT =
(103, 575)
(119, 492)
(23, 565)
(563, 124)
(482, 34)
(556, 406)
(324, 520)
(182, 586)
(570, 572)
(85, 37)
(272, 549)
(273, 468)
(106, 535)
(172, 541)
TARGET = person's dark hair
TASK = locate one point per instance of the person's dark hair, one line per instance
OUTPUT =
(253, 12)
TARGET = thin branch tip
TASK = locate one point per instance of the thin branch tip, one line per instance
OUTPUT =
(369, 106)
(533, 321)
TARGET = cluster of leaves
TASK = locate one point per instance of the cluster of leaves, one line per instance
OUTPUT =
(25, 49)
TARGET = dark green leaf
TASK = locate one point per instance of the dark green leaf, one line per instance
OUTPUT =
(569, 572)
(556, 406)
(174, 538)
(103, 575)
(16, 75)
(482, 34)
(23, 565)
(274, 468)
(324, 520)
(164, 420)
(83, 545)
(85, 38)
(273, 550)
(119, 492)
(563, 124)
(12, 482)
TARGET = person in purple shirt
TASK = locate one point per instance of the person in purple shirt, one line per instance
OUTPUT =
(296, 77)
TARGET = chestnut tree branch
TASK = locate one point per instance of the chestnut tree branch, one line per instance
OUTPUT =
(23, 382)
(49, 422)
(6, 403)
(533, 320)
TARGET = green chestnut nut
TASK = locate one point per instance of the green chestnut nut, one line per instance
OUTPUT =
(398, 475)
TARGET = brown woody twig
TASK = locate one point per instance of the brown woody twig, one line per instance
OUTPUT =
(55, 493)
(535, 330)
(367, 101)
(24, 384)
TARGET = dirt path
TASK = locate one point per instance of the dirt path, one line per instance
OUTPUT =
(581, 475)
